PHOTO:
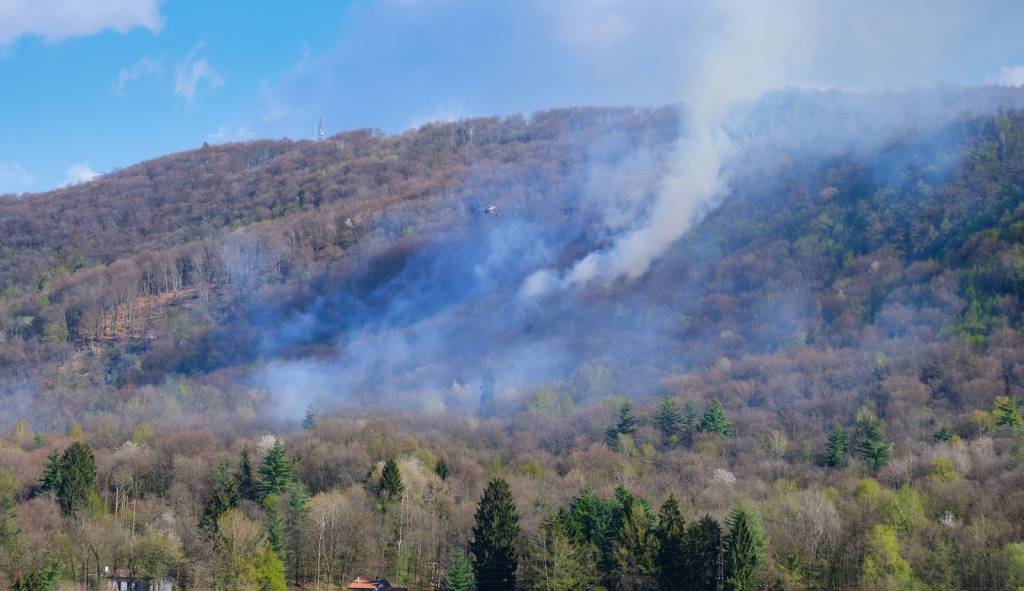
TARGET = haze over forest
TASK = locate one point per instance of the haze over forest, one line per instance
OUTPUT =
(725, 295)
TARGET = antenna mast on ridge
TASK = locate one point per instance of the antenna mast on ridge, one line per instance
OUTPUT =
(319, 134)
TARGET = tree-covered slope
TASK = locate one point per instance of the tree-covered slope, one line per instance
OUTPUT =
(280, 343)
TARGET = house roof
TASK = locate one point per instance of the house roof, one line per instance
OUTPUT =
(361, 583)
(374, 584)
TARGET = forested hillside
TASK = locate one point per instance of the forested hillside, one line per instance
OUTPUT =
(284, 363)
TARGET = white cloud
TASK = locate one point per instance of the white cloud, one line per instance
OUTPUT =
(596, 23)
(144, 67)
(225, 134)
(1011, 76)
(55, 20)
(442, 114)
(79, 173)
(274, 110)
(14, 178)
(191, 72)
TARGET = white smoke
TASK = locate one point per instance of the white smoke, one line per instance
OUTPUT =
(752, 48)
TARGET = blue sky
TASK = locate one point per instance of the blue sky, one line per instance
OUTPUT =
(93, 85)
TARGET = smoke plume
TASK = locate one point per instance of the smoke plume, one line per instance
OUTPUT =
(753, 48)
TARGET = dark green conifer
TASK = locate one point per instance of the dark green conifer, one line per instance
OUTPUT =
(391, 486)
(837, 448)
(671, 543)
(591, 522)
(276, 471)
(1007, 413)
(714, 420)
(669, 421)
(703, 555)
(223, 496)
(441, 469)
(247, 488)
(872, 445)
(275, 524)
(50, 481)
(296, 523)
(78, 479)
(691, 421)
(626, 425)
(634, 549)
(495, 539)
(944, 434)
(744, 549)
(460, 573)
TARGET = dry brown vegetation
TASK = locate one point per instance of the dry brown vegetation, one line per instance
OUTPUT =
(831, 288)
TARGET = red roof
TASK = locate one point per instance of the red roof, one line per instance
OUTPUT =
(374, 584)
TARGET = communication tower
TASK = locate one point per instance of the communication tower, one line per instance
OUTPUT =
(319, 134)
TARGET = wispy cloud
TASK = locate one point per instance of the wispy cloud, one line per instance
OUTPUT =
(81, 172)
(193, 72)
(1010, 76)
(14, 178)
(443, 113)
(596, 23)
(55, 20)
(144, 67)
(229, 134)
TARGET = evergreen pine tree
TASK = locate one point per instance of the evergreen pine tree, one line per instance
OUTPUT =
(714, 420)
(275, 525)
(495, 535)
(78, 479)
(703, 553)
(691, 421)
(50, 481)
(1007, 413)
(276, 471)
(627, 420)
(391, 486)
(459, 576)
(744, 549)
(247, 488)
(310, 419)
(224, 496)
(633, 552)
(591, 522)
(871, 442)
(837, 448)
(944, 434)
(441, 469)
(626, 425)
(669, 421)
(296, 524)
(671, 542)
(611, 437)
